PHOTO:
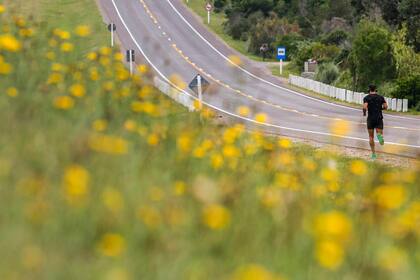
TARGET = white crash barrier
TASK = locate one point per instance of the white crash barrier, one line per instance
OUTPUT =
(399, 105)
(174, 93)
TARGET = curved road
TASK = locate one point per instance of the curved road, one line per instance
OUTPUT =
(173, 41)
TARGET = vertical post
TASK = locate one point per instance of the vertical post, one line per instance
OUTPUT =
(200, 92)
(281, 67)
(208, 17)
(112, 37)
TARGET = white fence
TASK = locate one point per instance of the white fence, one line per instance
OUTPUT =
(399, 105)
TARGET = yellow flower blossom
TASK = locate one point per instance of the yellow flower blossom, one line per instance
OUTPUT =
(254, 272)
(231, 151)
(235, 60)
(183, 143)
(261, 118)
(10, 43)
(26, 32)
(334, 226)
(130, 125)
(145, 92)
(358, 167)
(62, 34)
(216, 216)
(76, 182)
(118, 56)
(12, 92)
(55, 78)
(243, 111)
(340, 127)
(82, 30)
(390, 197)
(94, 74)
(63, 102)
(329, 254)
(153, 139)
(2, 9)
(112, 145)
(105, 51)
(143, 68)
(78, 90)
(50, 55)
(270, 197)
(67, 47)
(178, 81)
(216, 161)
(112, 245)
(5, 68)
(285, 143)
(92, 56)
(179, 188)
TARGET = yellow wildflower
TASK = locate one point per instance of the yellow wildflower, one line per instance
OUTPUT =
(261, 118)
(9, 43)
(82, 30)
(55, 78)
(390, 197)
(216, 216)
(108, 144)
(217, 161)
(231, 151)
(78, 90)
(179, 188)
(333, 226)
(76, 182)
(243, 111)
(2, 9)
(63, 102)
(340, 127)
(178, 81)
(130, 125)
(94, 74)
(26, 32)
(112, 245)
(5, 68)
(254, 272)
(143, 68)
(358, 167)
(118, 56)
(67, 47)
(105, 51)
(329, 254)
(50, 55)
(235, 60)
(184, 143)
(12, 92)
(145, 91)
(92, 56)
(269, 197)
(285, 143)
(62, 34)
(153, 139)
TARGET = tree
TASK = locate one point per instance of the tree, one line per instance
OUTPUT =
(371, 56)
(410, 13)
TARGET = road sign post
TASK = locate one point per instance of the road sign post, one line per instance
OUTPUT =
(209, 8)
(130, 58)
(199, 85)
(281, 56)
(112, 27)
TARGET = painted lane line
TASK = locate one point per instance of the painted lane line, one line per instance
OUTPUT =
(261, 79)
(232, 114)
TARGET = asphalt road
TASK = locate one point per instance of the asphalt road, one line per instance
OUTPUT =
(166, 35)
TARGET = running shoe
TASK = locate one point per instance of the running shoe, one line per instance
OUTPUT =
(380, 139)
(373, 156)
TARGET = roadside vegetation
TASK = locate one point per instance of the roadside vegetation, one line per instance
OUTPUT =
(103, 177)
(356, 43)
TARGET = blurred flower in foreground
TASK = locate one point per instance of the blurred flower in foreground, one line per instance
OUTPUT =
(76, 182)
(82, 30)
(243, 111)
(108, 144)
(112, 199)
(329, 254)
(99, 125)
(112, 245)
(63, 102)
(390, 197)
(358, 167)
(177, 81)
(261, 118)
(216, 216)
(2, 9)
(333, 226)
(12, 92)
(9, 43)
(254, 272)
(235, 60)
(78, 90)
(340, 127)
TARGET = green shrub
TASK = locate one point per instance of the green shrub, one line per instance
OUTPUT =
(409, 88)
(327, 73)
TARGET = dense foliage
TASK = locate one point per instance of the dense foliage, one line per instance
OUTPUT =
(374, 41)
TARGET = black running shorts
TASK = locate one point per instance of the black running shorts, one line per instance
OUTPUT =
(375, 123)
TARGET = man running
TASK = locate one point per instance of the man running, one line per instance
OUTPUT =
(374, 104)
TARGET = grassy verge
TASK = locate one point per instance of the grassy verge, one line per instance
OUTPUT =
(102, 177)
(288, 69)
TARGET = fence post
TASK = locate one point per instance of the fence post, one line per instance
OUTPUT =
(394, 104)
(405, 105)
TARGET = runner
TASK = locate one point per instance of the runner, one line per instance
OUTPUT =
(374, 104)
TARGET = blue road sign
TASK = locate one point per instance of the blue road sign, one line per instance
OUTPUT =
(281, 53)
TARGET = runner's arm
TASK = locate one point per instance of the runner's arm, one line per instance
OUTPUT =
(365, 107)
(385, 105)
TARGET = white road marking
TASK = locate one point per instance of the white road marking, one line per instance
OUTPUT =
(261, 79)
(232, 114)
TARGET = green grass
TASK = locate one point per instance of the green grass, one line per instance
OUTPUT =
(216, 25)
(288, 69)
(122, 183)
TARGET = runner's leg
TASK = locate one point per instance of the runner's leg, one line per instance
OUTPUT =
(371, 140)
(380, 135)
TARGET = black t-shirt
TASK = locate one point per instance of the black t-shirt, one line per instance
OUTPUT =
(375, 102)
